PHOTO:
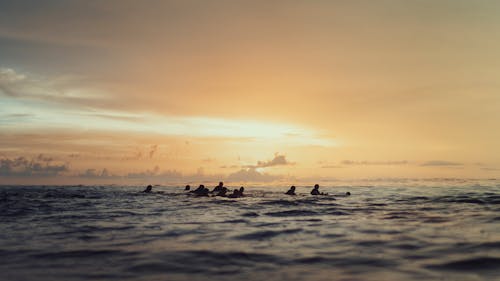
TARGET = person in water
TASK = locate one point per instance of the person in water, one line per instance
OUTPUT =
(148, 189)
(315, 191)
(219, 187)
(223, 192)
(187, 188)
(235, 194)
(291, 191)
(204, 192)
(201, 191)
(198, 190)
(347, 194)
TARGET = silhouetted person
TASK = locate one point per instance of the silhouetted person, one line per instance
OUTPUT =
(204, 192)
(198, 190)
(315, 191)
(219, 187)
(242, 189)
(148, 189)
(235, 194)
(187, 188)
(223, 192)
(201, 191)
(291, 191)
(347, 194)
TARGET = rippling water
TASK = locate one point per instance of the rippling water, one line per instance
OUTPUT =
(408, 230)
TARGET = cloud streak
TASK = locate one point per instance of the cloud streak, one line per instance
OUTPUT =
(23, 167)
(438, 163)
(373, 163)
(96, 174)
(63, 103)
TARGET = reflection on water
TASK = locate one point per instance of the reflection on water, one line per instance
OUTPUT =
(431, 230)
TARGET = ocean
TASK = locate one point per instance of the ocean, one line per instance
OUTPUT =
(435, 229)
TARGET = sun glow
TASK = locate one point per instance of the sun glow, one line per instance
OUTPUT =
(47, 115)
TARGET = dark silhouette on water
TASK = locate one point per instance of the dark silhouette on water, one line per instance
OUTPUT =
(315, 191)
(347, 194)
(219, 187)
(237, 193)
(291, 191)
(148, 189)
(222, 192)
(200, 191)
(204, 192)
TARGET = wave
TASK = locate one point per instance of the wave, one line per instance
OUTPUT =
(78, 254)
(471, 264)
(348, 262)
(206, 262)
(261, 235)
(292, 213)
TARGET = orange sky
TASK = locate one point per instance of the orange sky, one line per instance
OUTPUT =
(248, 90)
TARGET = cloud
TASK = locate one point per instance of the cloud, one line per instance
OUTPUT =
(8, 81)
(147, 173)
(374, 163)
(43, 158)
(155, 174)
(150, 175)
(229, 167)
(278, 160)
(331, 167)
(95, 174)
(251, 175)
(441, 163)
(22, 167)
(67, 89)
(490, 169)
(8, 75)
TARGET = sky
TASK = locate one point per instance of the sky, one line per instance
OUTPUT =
(248, 91)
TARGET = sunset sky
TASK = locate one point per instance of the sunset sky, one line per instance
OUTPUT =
(193, 91)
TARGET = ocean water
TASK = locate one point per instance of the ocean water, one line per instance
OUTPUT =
(386, 230)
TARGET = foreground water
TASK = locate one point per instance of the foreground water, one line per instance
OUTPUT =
(408, 230)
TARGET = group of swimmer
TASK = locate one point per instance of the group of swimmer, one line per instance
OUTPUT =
(221, 190)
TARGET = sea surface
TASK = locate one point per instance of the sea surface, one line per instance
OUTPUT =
(386, 230)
